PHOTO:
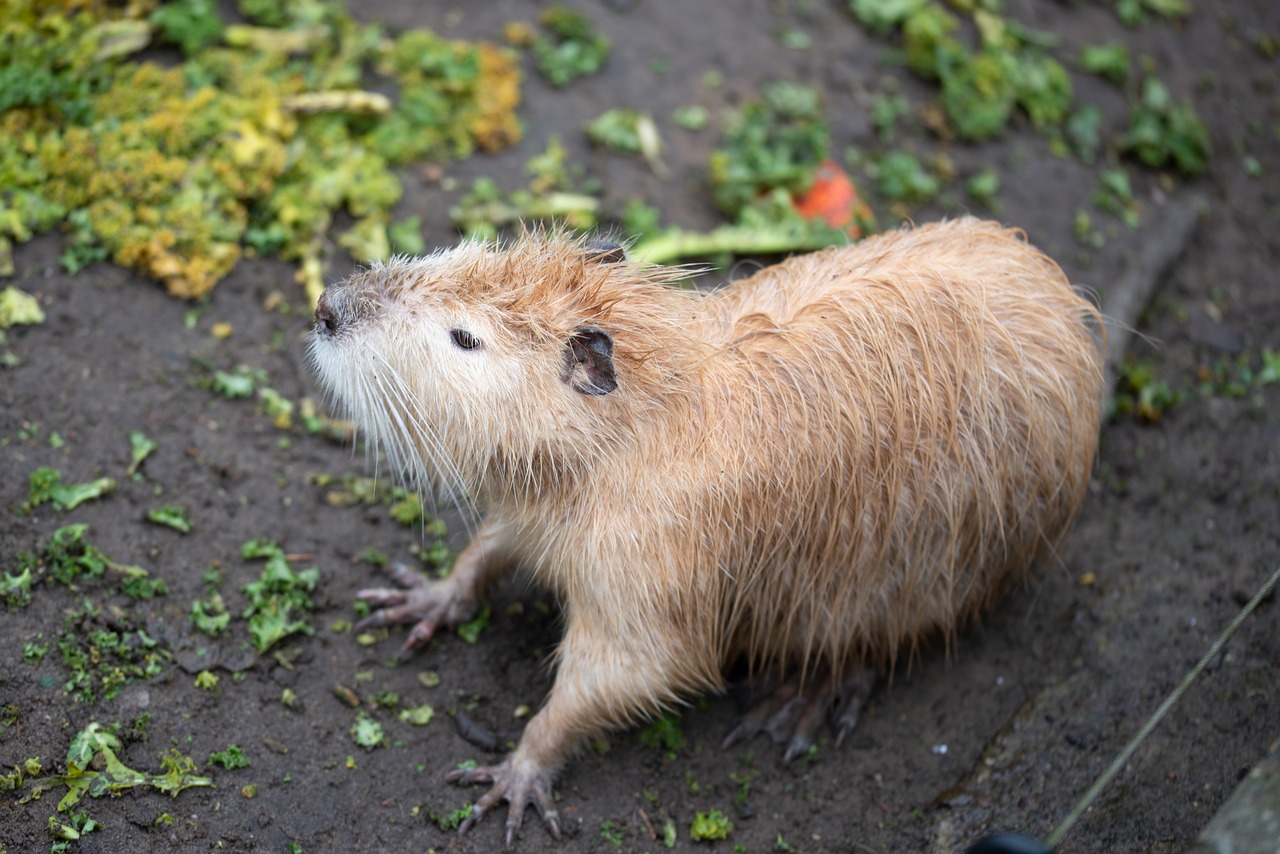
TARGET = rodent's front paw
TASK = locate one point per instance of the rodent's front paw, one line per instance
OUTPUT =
(425, 602)
(520, 785)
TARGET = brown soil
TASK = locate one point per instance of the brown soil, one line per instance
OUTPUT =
(1181, 524)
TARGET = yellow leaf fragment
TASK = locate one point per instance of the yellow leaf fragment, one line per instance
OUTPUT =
(19, 308)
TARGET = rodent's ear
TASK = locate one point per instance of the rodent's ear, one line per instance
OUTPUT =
(588, 361)
(605, 252)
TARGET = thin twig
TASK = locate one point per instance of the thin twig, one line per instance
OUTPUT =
(653, 834)
(1161, 244)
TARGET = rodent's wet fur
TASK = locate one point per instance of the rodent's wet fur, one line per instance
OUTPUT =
(818, 466)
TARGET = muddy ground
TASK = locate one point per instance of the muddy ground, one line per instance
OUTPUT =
(1181, 523)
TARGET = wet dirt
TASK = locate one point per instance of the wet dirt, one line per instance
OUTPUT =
(1005, 731)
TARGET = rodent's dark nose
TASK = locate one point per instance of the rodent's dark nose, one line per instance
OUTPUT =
(327, 321)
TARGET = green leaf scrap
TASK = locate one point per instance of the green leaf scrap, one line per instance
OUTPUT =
(138, 584)
(367, 732)
(1109, 60)
(45, 485)
(140, 447)
(616, 129)
(470, 630)
(230, 758)
(190, 24)
(1162, 133)
(111, 776)
(171, 517)
(210, 615)
(777, 142)
(882, 16)
(418, 716)
(709, 826)
(277, 595)
(15, 590)
(572, 49)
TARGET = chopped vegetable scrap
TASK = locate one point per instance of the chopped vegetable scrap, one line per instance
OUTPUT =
(251, 145)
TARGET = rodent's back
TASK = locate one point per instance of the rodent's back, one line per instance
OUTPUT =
(908, 423)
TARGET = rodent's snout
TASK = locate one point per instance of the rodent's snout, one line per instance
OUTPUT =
(343, 308)
(327, 320)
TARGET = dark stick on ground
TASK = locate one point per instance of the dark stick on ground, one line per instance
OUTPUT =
(1161, 244)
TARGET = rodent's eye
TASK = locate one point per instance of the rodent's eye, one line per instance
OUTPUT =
(464, 339)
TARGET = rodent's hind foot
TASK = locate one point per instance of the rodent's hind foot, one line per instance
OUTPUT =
(427, 603)
(519, 787)
(792, 712)
(767, 715)
(856, 685)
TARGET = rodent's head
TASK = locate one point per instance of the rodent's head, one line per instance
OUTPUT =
(512, 361)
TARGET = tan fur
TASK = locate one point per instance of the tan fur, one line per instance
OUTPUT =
(822, 464)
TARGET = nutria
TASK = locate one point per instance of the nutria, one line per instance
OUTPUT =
(809, 471)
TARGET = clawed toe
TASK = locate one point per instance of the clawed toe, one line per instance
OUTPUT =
(766, 715)
(468, 776)
(388, 615)
(519, 789)
(805, 729)
(421, 633)
(854, 690)
(792, 714)
(425, 602)
(382, 597)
